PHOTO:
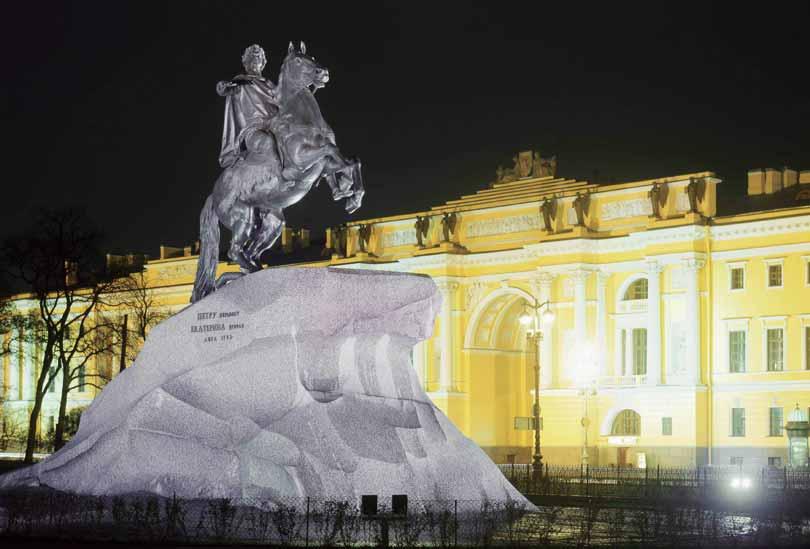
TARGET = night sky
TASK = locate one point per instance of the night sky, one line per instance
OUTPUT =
(113, 105)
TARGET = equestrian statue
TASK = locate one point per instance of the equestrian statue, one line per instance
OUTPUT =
(275, 147)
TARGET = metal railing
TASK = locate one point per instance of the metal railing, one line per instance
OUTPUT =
(674, 482)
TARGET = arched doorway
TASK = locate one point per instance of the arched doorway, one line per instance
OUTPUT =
(500, 372)
(625, 428)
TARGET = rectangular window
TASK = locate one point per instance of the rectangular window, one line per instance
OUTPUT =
(736, 351)
(775, 349)
(666, 426)
(736, 460)
(737, 278)
(775, 275)
(738, 422)
(639, 351)
(776, 422)
(774, 462)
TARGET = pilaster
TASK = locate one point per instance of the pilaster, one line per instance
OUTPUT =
(692, 268)
(654, 269)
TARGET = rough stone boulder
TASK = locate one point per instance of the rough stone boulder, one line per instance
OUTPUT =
(286, 383)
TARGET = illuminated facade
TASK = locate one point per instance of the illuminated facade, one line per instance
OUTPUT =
(682, 313)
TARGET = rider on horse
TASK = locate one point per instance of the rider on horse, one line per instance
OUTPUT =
(251, 101)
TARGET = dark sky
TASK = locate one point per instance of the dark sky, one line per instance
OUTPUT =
(112, 105)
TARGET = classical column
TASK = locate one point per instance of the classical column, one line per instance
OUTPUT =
(543, 292)
(28, 381)
(446, 380)
(580, 277)
(602, 278)
(692, 268)
(654, 322)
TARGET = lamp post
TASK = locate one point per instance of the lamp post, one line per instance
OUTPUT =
(533, 318)
(586, 377)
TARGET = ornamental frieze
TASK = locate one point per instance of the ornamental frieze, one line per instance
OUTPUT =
(512, 224)
(401, 237)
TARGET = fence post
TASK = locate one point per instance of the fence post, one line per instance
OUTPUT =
(658, 479)
(587, 480)
(455, 523)
(646, 480)
(306, 538)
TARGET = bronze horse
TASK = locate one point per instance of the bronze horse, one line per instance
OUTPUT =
(249, 196)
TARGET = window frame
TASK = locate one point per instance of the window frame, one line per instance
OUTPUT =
(732, 434)
(664, 425)
(772, 323)
(780, 262)
(781, 421)
(735, 325)
(738, 265)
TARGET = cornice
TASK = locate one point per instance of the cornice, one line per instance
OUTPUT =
(753, 229)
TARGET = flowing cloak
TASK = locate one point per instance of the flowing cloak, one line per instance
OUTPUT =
(248, 106)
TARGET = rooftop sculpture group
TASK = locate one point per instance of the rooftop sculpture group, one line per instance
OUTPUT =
(275, 147)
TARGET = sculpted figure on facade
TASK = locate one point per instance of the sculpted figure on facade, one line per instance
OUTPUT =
(549, 210)
(449, 220)
(527, 164)
(580, 205)
(364, 237)
(544, 167)
(422, 226)
(658, 197)
(339, 240)
(276, 146)
(695, 190)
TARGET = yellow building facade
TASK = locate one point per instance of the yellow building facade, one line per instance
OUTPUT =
(681, 331)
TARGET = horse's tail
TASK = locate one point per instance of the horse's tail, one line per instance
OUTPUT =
(205, 282)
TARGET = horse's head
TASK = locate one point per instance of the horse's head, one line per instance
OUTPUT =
(301, 71)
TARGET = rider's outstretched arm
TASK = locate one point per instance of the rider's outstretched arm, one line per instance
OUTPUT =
(227, 87)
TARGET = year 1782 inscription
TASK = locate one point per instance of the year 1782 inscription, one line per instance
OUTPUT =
(217, 325)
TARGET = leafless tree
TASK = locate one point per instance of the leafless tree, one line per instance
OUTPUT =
(143, 309)
(58, 262)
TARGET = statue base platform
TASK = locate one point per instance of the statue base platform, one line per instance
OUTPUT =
(289, 382)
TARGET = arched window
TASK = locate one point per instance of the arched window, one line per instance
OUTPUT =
(627, 423)
(637, 290)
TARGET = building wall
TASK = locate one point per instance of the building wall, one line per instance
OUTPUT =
(479, 368)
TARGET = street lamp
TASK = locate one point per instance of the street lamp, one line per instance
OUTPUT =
(535, 315)
(586, 381)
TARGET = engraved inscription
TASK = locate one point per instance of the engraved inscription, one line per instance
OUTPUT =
(212, 324)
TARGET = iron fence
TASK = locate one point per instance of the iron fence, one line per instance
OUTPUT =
(432, 523)
(631, 482)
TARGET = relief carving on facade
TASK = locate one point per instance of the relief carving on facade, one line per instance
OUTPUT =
(400, 237)
(512, 224)
(626, 208)
(475, 292)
